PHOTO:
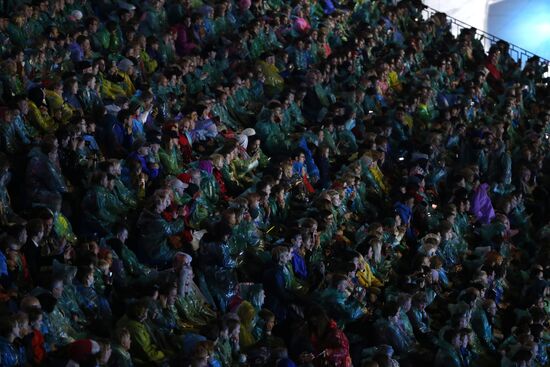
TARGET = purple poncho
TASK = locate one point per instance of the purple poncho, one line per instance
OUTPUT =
(482, 208)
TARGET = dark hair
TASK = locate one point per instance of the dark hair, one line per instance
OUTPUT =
(123, 115)
(34, 226)
(232, 324)
(266, 315)
(83, 272)
(138, 308)
(80, 39)
(7, 323)
(391, 309)
(34, 314)
(166, 287)
(48, 144)
(86, 78)
(120, 332)
(213, 329)
(450, 334)
(317, 320)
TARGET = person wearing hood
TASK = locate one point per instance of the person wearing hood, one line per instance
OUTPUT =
(244, 163)
(101, 205)
(7, 215)
(448, 354)
(329, 342)
(44, 181)
(247, 316)
(170, 158)
(481, 205)
(154, 231)
(89, 97)
(39, 115)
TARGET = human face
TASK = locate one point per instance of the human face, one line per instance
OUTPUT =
(93, 27)
(17, 330)
(270, 323)
(22, 236)
(261, 297)
(105, 354)
(407, 306)
(284, 258)
(492, 309)
(143, 151)
(218, 164)
(336, 200)
(24, 107)
(297, 241)
(171, 300)
(235, 334)
(39, 236)
(57, 290)
(89, 280)
(116, 170)
(48, 224)
(126, 341)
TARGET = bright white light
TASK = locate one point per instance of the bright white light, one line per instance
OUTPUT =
(471, 12)
(543, 28)
(525, 23)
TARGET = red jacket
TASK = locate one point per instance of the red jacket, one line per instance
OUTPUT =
(221, 183)
(37, 347)
(336, 346)
(185, 148)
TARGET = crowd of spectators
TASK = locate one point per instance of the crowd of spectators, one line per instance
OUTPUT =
(268, 183)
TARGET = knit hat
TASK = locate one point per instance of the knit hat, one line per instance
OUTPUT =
(242, 140)
(124, 65)
(81, 350)
(249, 132)
(76, 15)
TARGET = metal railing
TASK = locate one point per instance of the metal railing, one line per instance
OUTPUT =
(487, 40)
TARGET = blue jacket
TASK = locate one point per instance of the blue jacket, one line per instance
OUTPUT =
(482, 328)
(447, 356)
(389, 333)
(3, 265)
(405, 212)
(11, 355)
(118, 140)
(277, 297)
(299, 265)
(312, 169)
(151, 172)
